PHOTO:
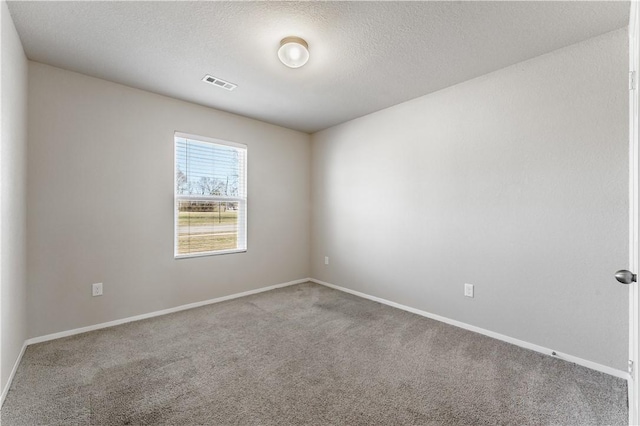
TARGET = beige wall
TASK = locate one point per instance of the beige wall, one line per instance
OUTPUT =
(13, 182)
(100, 200)
(515, 182)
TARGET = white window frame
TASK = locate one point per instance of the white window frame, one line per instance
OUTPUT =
(242, 221)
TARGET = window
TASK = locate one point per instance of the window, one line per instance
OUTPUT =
(210, 196)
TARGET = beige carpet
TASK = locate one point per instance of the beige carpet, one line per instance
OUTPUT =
(304, 354)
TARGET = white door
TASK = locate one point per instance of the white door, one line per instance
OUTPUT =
(634, 108)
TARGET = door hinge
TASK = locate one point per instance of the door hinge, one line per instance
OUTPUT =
(632, 80)
(630, 368)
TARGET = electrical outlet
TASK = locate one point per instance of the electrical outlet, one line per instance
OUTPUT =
(96, 289)
(326, 260)
(468, 290)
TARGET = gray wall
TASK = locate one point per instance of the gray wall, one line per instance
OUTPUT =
(13, 292)
(515, 182)
(100, 198)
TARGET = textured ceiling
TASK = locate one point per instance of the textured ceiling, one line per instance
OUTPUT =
(365, 56)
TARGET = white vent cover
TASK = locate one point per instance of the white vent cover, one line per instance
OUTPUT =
(218, 82)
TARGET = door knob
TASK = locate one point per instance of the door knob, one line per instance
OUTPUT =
(626, 277)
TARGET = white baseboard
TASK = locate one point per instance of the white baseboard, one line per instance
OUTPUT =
(5, 391)
(583, 362)
(80, 330)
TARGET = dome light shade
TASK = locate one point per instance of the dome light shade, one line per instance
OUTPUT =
(293, 52)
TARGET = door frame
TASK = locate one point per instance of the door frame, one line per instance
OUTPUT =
(634, 107)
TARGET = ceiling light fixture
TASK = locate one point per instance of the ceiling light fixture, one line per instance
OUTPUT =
(293, 52)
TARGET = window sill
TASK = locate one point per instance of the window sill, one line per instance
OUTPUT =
(208, 253)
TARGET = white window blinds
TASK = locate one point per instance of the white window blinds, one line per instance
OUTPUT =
(210, 196)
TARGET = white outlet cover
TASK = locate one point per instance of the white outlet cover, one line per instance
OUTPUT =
(326, 260)
(468, 290)
(96, 289)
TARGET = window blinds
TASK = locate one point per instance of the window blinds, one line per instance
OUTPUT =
(210, 196)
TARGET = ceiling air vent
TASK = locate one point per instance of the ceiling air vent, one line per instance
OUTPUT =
(218, 82)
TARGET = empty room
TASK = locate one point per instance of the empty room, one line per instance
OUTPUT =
(319, 213)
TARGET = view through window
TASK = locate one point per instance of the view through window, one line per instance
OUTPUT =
(210, 196)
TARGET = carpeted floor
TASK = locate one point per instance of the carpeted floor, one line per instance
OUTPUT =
(304, 354)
